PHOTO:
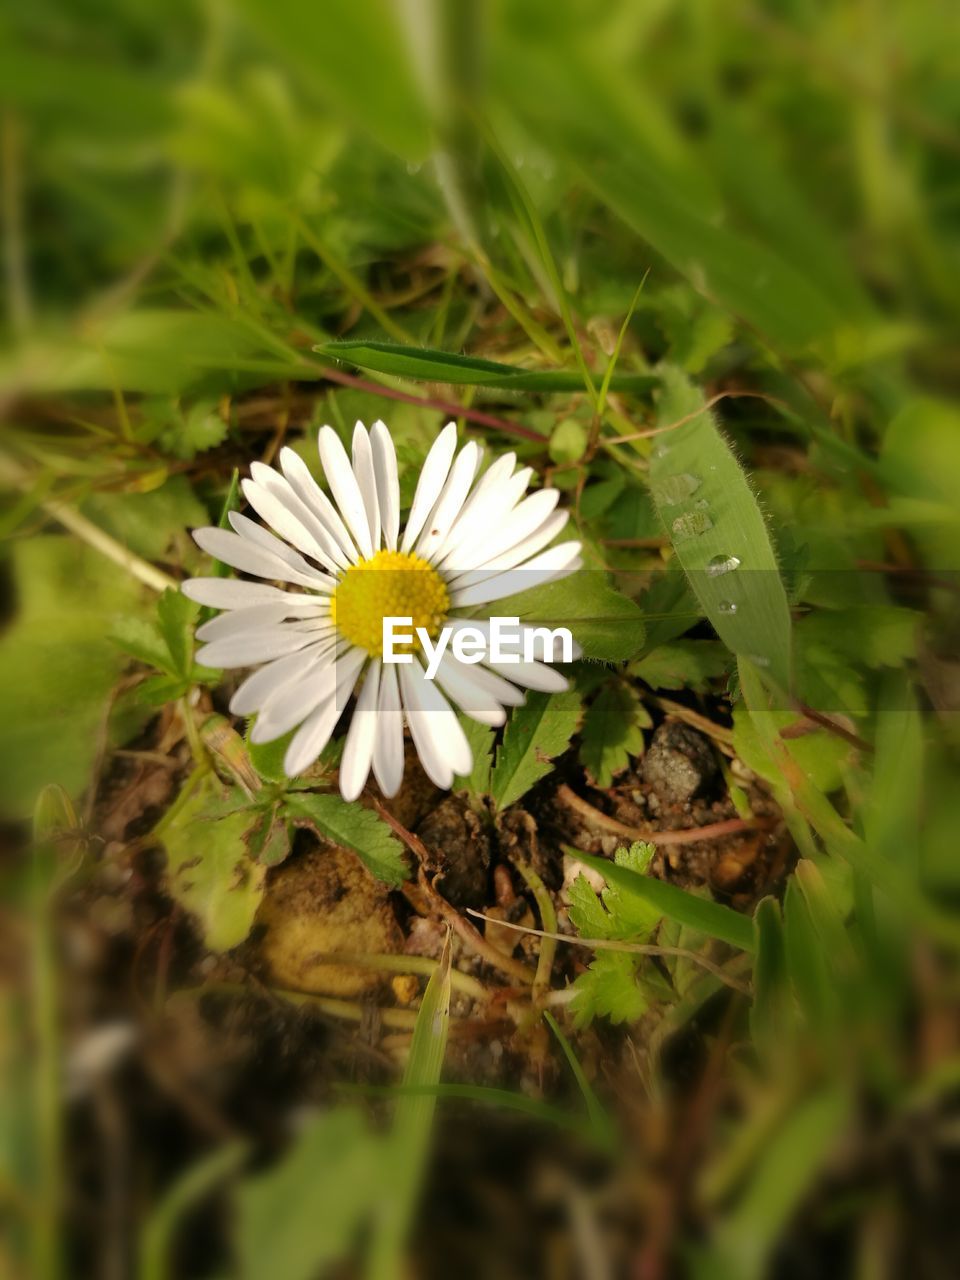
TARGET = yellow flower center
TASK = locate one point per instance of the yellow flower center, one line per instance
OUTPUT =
(390, 584)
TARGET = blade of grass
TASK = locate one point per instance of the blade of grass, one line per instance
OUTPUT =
(711, 918)
(430, 365)
(718, 532)
(412, 1127)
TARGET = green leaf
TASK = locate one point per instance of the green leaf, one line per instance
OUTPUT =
(57, 666)
(609, 989)
(612, 732)
(568, 441)
(771, 1015)
(821, 755)
(718, 532)
(299, 1218)
(208, 869)
(536, 732)
(790, 1160)
(142, 640)
(604, 623)
(620, 912)
(409, 1142)
(267, 757)
(682, 664)
(175, 618)
(480, 737)
(711, 918)
(148, 523)
(355, 58)
(428, 365)
(352, 827)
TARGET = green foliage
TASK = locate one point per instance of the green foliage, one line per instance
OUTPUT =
(700, 914)
(209, 870)
(612, 986)
(57, 667)
(480, 737)
(604, 622)
(353, 827)
(536, 732)
(612, 732)
(682, 664)
(718, 533)
(166, 644)
(446, 366)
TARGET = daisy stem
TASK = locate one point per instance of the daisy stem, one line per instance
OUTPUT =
(197, 749)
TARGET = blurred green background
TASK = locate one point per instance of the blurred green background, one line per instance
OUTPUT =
(197, 194)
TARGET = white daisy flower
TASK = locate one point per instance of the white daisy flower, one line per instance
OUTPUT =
(467, 542)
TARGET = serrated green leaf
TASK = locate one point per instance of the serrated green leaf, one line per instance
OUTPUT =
(480, 737)
(352, 827)
(608, 989)
(711, 918)
(536, 732)
(682, 664)
(209, 871)
(604, 622)
(612, 732)
(718, 532)
(175, 618)
(142, 640)
(430, 365)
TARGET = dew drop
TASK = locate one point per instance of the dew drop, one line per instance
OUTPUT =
(676, 489)
(702, 504)
(691, 524)
(727, 607)
(717, 566)
(660, 451)
(759, 659)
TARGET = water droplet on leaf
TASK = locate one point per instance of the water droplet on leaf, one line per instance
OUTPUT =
(719, 565)
(727, 607)
(691, 524)
(675, 489)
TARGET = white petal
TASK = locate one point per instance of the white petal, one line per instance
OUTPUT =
(314, 734)
(309, 492)
(388, 744)
(482, 513)
(537, 540)
(251, 647)
(344, 487)
(282, 521)
(269, 679)
(233, 593)
(323, 682)
(361, 736)
(437, 734)
(526, 518)
(324, 546)
(388, 486)
(244, 554)
(450, 502)
(471, 696)
(557, 562)
(235, 621)
(489, 682)
(532, 675)
(366, 480)
(250, 531)
(436, 467)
